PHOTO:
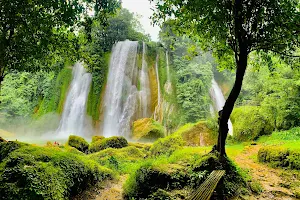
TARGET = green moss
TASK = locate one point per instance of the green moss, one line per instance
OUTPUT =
(169, 174)
(147, 129)
(54, 100)
(249, 123)
(167, 145)
(78, 143)
(32, 172)
(97, 87)
(112, 142)
(280, 157)
(97, 138)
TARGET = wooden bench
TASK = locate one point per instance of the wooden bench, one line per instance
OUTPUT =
(206, 189)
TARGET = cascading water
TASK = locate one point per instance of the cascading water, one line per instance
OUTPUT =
(144, 92)
(74, 119)
(123, 102)
(157, 115)
(168, 67)
(219, 101)
(168, 84)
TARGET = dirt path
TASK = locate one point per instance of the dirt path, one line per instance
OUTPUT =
(269, 178)
(112, 190)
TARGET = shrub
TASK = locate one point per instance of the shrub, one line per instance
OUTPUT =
(112, 142)
(249, 123)
(280, 157)
(78, 143)
(32, 172)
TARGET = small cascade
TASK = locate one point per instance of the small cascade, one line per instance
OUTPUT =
(74, 120)
(144, 92)
(158, 110)
(219, 101)
(168, 84)
(124, 101)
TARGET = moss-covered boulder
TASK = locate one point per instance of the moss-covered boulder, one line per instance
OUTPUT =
(33, 172)
(97, 138)
(278, 156)
(111, 142)
(151, 177)
(78, 143)
(199, 135)
(167, 145)
(249, 123)
(147, 129)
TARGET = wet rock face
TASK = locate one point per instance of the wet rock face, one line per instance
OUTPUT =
(147, 129)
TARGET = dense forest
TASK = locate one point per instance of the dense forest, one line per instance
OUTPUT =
(92, 107)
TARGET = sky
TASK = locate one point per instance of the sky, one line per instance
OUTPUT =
(143, 8)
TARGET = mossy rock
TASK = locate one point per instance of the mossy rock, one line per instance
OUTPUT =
(199, 135)
(33, 172)
(249, 123)
(167, 145)
(78, 143)
(280, 157)
(97, 138)
(147, 129)
(149, 178)
(111, 142)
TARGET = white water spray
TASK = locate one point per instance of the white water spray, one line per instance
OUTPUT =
(74, 119)
(219, 101)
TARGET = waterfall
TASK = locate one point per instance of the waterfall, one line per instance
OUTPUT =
(157, 112)
(168, 84)
(123, 102)
(73, 119)
(219, 101)
(144, 92)
(168, 67)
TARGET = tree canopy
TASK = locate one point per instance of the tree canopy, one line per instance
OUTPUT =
(42, 28)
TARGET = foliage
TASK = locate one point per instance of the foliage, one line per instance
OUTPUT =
(147, 129)
(275, 90)
(40, 28)
(46, 173)
(122, 160)
(249, 123)
(79, 143)
(27, 94)
(111, 142)
(193, 75)
(218, 24)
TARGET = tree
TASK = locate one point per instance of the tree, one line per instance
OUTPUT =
(236, 27)
(37, 29)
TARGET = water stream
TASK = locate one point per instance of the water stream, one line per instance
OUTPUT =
(74, 120)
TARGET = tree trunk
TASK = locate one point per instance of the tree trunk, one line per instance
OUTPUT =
(229, 104)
